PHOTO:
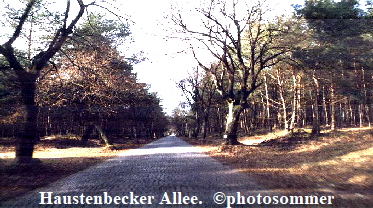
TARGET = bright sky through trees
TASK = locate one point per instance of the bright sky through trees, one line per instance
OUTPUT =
(168, 59)
(167, 62)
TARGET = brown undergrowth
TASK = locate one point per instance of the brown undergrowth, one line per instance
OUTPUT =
(338, 163)
(60, 156)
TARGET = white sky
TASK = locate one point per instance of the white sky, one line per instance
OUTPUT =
(166, 64)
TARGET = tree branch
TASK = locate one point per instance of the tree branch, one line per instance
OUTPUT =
(66, 14)
(61, 36)
(22, 20)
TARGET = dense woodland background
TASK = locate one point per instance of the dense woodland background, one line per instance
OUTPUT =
(309, 70)
(88, 83)
(71, 79)
(321, 78)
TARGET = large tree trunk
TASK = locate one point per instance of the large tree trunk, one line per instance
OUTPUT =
(198, 127)
(206, 116)
(28, 134)
(232, 123)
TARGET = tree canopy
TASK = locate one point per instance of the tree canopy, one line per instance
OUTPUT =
(318, 74)
(78, 80)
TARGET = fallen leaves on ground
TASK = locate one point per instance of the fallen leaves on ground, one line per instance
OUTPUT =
(60, 156)
(338, 163)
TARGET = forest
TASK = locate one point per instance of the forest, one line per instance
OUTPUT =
(275, 103)
(311, 70)
(80, 84)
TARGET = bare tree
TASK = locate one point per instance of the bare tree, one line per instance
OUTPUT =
(243, 47)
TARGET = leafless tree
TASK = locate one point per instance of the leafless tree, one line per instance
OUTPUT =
(243, 46)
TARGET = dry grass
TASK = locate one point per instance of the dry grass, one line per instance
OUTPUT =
(338, 163)
(60, 156)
